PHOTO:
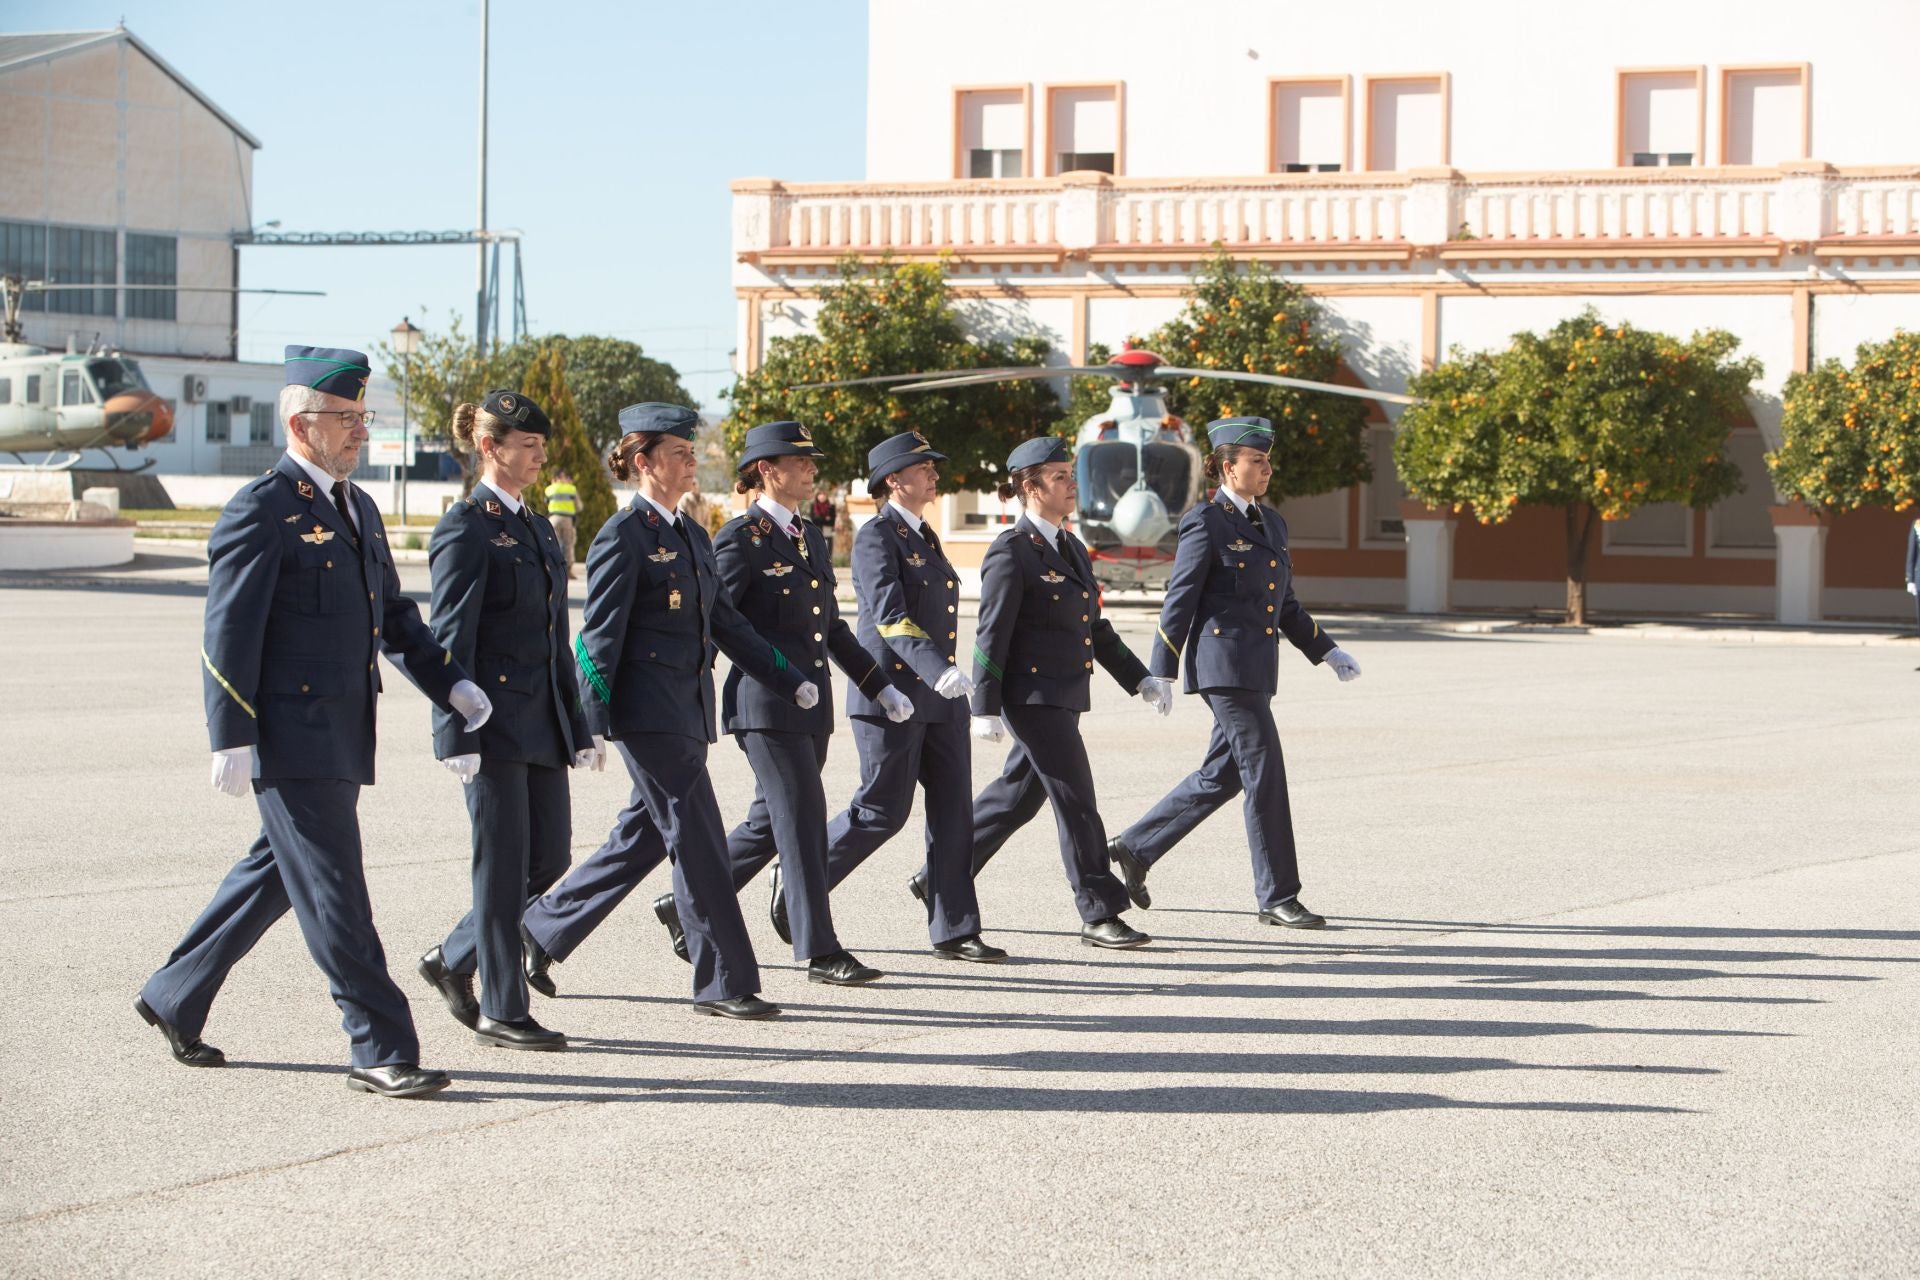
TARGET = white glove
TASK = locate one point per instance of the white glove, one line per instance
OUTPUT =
(593, 757)
(807, 696)
(233, 770)
(1343, 664)
(1157, 692)
(463, 767)
(990, 728)
(1910, 588)
(953, 683)
(472, 702)
(897, 705)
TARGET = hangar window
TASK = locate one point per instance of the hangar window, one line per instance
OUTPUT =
(152, 260)
(76, 255)
(23, 253)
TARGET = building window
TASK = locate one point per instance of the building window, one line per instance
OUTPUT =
(991, 126)
(23, 253)
(1740, 525)
(1318, 520)
(219, 422)
(151, 260)
(1086, 128)
(1764, 114)
(1657, 529)
(1660, 117)
(1380, 498)
(1309, 125)
(1407, 122)
(261, 415)
(78, 256)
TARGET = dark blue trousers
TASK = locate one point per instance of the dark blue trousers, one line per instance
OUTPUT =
(1242, 755)
(672, 814)
(789, 817)
(307, 857)
(1049, 763)
(522, 826)
(938, 757)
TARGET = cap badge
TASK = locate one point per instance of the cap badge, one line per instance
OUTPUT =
(806, 433)
(319, 535)
(506, 402)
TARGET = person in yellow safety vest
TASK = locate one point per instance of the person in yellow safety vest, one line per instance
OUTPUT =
(563, 504)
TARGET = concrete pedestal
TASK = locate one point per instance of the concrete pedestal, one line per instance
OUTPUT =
(1429, 536)
(1799, 572)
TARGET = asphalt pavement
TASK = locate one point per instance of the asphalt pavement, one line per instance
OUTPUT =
(1620, 981)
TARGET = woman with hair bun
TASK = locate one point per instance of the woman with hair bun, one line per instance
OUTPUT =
(1228, 604)
(500, 607)
(656, 609)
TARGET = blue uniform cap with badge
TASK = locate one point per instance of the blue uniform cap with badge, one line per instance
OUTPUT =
(778, 440)
(514, 408)
(1254, 433)
(1037, 452)
(898, 452)
(671, 419)
(337, 371)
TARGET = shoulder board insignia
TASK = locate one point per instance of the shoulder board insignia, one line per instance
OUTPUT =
(505, 540)
(653, 518)
(1240, 545)
(319, 535)
(663, 555)
(294, 518)
(778, 570)
(916, 560)
(493, 508)
(1051, 577)
(306, 490)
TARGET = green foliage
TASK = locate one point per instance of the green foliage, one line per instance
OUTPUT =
(547, 383)
(892, 317)
(1610, 417)
(604, 376)
(1850, 438)
(447, 370)
(1087, 397)
(1249, 320)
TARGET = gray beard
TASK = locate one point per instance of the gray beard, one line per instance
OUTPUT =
(332, 462)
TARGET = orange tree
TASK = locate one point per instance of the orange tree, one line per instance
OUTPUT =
(1596, 420)
(892, 318)
(1850, 438)
(1248, 320)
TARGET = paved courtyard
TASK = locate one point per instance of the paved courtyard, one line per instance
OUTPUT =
(1622, 982)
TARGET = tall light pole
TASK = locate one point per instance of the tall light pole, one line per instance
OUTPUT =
(406, 341)
(480, 278)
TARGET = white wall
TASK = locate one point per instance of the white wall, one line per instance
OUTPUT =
(1532, 87)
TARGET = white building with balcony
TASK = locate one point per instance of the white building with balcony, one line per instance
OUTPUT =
(1438, 177)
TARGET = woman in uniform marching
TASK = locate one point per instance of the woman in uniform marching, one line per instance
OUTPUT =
(909, 605)
(500, 608)
(655, 612)
(1228, 603)
(1039, 634)
(776, 568)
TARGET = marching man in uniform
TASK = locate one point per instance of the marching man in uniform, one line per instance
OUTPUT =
(301, 597)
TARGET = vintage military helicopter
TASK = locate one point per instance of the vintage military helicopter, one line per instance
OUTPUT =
(1137, 465)
(63, 405)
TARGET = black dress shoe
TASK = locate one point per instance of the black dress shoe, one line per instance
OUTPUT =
(839, 969)
(521, 1033)
(1112, 932)
(749, 1008)
(668, 912)
(399, 1080)
(1132, 871)
(1292, 914)
(777, 909)
(917, 885)
(537, 963)
(969, 948)
(455, 988)
(188, 1050)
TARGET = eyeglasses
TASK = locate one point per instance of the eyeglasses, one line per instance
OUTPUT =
(348, 417)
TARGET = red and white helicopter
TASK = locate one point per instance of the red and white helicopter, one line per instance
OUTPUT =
(1137, 465)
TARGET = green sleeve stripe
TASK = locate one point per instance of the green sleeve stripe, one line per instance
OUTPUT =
(231, 691)
(992, 667)
(779, 658)
(592, 672)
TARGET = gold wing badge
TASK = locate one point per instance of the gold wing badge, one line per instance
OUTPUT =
(1050, 577)
(780, 570)
(319, 535)
(1240, 545)
(663, 555)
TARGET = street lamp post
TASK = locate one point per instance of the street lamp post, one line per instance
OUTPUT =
(406, 341)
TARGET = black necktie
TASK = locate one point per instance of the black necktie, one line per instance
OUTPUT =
(1060, 545)
(927, 535)
(346, 509)
(1253, 514)
(679, 527)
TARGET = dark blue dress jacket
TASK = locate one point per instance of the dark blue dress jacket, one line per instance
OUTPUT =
(909, 596)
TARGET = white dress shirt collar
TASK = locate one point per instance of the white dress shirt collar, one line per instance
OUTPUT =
(666, 513)
(1240, 504)
(783, 519)
(1048, 530)
(914, 522)
(321, 478)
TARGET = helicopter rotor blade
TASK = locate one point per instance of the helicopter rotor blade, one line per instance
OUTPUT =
(1275, 380)
(972, 378)
(883, 378)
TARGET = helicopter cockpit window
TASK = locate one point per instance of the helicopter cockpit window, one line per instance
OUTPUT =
(74, 389)
(33, 388)
(1106, 470)
(6, 390)
(113, 377)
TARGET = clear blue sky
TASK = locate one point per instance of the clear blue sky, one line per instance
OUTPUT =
(615, 129)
